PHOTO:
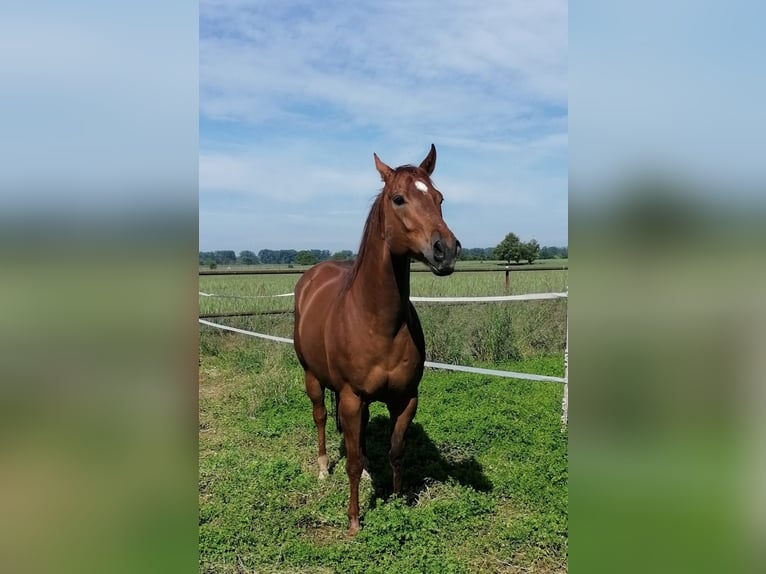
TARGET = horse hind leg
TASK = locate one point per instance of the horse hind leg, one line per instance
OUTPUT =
(315, 392)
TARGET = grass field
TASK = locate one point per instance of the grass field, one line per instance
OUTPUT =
(486, 459)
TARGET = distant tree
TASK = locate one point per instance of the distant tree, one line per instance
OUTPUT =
(287, 255)
(530, 250)
(344, 255)
(554, 252)
(225, 257)
(268, 256)
(305, 258)
(212, 265)
(476, 253)
(248, 258)
(321, 254)
(219, 257)
(509, 248)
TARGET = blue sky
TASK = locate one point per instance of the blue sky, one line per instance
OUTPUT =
(296, 96)
(668, 88)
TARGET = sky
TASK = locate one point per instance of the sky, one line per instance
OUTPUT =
(98, 107)
(670, 88)
(296, 96)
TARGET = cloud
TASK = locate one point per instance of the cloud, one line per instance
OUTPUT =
(295, 97)
(453, 65)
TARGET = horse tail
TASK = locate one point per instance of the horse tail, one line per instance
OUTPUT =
(336, 410)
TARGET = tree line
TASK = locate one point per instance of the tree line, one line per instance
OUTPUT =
(511, 248)
(272, 257)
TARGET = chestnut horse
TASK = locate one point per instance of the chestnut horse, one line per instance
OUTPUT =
(356, 331)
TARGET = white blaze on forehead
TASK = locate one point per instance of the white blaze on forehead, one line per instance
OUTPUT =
(421, 186)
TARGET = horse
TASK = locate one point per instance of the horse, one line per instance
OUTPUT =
(356, 331)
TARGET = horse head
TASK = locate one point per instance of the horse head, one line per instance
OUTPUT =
(412, 215)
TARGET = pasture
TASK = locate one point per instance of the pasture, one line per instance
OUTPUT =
(485, 483)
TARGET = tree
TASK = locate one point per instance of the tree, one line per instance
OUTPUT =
(225, 257)
(268, 256)
(554, 252)
(248, 258)
(287, 255)
(509, 248)
(320, 254)
(305, 258)
(344, 255)
(530, 250)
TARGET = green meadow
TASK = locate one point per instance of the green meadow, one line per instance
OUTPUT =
(485, 485)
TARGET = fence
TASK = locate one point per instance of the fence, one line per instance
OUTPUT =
(302, 269)
(444, 366)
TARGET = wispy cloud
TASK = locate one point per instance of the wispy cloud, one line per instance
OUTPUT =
(301, 94)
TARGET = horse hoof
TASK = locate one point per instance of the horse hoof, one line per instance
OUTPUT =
(323, 475)
(353, 530)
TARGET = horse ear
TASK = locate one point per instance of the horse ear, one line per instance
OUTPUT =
(384, 171)
(429, 163)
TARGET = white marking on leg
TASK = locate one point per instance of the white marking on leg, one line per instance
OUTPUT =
(421, 186)
(323, 460)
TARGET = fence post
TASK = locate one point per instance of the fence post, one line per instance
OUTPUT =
(507, 278)
(565, 400)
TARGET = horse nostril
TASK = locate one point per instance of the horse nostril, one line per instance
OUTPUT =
(438, 251)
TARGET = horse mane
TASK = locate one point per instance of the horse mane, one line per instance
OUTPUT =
(373, 228)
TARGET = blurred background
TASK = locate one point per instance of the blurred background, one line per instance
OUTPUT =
(98, 228)
(667, 304)
(98, 241)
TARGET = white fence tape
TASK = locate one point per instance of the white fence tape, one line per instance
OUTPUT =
(243, 296)
(251, 333)
(527, 297)
(495, 373)
(476, 370)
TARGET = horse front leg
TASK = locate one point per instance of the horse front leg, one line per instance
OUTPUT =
(316, 394)
(402, 412)
(350, 409)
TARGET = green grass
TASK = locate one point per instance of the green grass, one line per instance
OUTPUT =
(486, 459)
(485, 472)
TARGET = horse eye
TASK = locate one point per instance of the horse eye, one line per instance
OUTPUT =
(398, 200)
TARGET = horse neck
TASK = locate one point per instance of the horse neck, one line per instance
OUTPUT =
(381, 286)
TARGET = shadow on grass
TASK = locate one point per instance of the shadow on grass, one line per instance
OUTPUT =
(423, 463)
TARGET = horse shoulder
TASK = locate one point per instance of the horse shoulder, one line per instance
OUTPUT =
(315, 295)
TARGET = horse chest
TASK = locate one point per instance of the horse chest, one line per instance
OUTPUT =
(376, 366)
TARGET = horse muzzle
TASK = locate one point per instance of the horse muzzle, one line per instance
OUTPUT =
(443, 254)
